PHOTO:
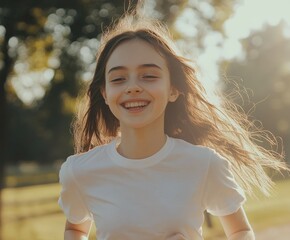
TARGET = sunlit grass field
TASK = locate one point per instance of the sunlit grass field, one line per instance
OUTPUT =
(32, 213)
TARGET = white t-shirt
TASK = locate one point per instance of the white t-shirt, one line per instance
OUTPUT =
(151, 198)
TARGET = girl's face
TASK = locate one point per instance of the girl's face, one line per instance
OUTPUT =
(138, 87)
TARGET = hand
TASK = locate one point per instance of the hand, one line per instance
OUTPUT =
(176, 236)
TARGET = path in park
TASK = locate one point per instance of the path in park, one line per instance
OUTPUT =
(278, 232)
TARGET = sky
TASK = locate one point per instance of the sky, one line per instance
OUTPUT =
(248, 16)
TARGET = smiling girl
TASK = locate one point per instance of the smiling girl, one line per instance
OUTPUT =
(152, 153)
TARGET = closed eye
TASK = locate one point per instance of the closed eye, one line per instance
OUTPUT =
(150, 77)
(116, 80)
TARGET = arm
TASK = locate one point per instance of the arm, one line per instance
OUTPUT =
(237, 226)
(77, 231)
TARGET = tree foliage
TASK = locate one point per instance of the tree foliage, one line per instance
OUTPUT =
(47, 53)
(42, 70)
(265, 73)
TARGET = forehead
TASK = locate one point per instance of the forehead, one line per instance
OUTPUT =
(134, 53)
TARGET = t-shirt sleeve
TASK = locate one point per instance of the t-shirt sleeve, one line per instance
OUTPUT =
(222, 196)
(71, 200)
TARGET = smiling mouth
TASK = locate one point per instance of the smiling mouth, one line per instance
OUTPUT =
(138, 105)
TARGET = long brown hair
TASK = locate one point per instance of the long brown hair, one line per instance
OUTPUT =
(192, 117)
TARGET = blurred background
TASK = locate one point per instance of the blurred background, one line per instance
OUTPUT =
(47, 55)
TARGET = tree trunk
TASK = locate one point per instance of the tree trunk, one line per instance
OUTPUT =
(3, 116)
(3, 144)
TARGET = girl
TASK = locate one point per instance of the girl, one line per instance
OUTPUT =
(152, 152)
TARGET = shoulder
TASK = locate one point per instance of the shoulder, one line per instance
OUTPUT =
(86, 156)
(79, 163)
(196, 151)
(203, 155)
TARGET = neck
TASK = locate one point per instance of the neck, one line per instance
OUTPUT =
(141, 143)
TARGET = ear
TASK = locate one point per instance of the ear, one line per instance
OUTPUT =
(174, 93)
(103, 92)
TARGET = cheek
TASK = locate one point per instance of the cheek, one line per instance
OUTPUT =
(160, 90)
(112, 92)
(112, 95)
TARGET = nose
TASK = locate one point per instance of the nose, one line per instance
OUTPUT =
(133, 88)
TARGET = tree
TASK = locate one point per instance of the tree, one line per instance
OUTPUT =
(265, 72)
(46, 31)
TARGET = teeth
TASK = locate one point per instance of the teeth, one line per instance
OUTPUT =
(135, 104)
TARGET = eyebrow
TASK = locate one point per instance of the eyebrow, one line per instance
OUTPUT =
(147, 65)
